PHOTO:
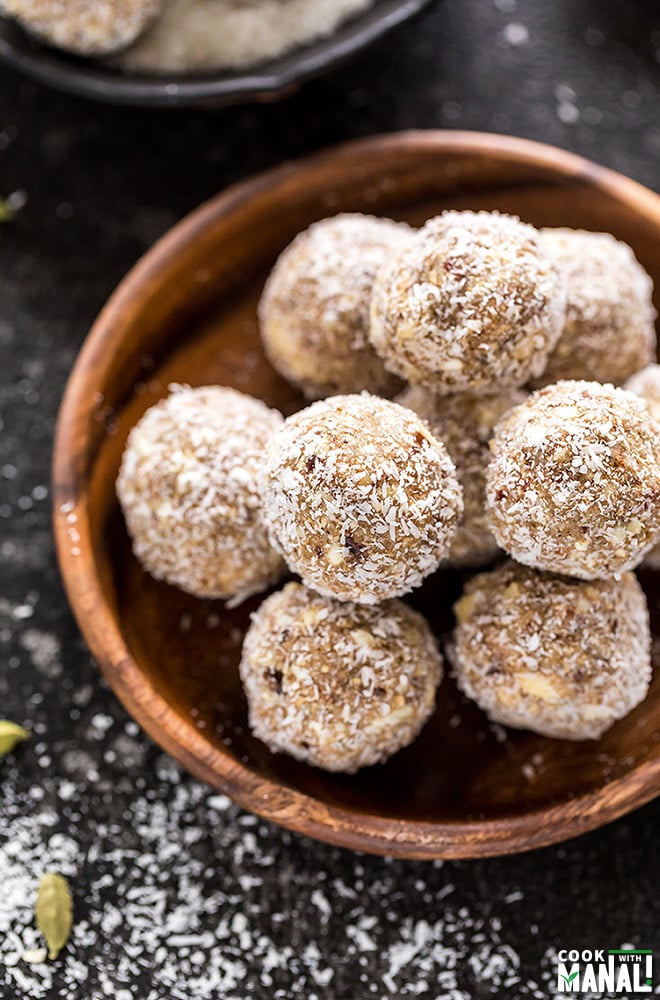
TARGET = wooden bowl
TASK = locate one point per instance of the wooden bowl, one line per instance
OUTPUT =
(186, 313)
(269, 81)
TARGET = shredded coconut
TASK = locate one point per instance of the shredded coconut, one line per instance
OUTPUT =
(314, 311)
(360, 498)
(90, 29)
(561, 657)
(646, 384)
(574, 480)
(465, 425)
(472, 303)
(202, 35)
(338, 685)
(609, 331)
(188, 486)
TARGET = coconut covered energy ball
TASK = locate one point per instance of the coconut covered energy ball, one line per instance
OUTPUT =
(188, 486)
(465, 425)
(471, 304)
(340, 686)
(87, 28)
(609, 330)
(646, 384)
(573, 485)
(360, 498)
(561, 657)
(314, 311)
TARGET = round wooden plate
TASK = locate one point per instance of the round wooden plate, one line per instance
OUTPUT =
(186, 313)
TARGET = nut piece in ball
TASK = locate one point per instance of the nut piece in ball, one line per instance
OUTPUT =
(340, 686)
(472, 303)
(360, 498)
(609, 331)
(188, 486)
(561, 657)
(573, 485)
(87, 28)
(465, 425)
(314, 311)
(646, 384)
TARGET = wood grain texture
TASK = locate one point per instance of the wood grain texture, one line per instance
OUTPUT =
(186, 313)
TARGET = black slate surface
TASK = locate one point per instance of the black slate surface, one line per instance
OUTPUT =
(179, 894)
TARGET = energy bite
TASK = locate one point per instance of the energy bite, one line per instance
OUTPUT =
(646, 384)
(465, 424)
(609, 331)
(188, 486)
(87, 28)
(314, 311)
(360, 498)
(470, 304)
(561, 657)
(340, 686)
(573, 485)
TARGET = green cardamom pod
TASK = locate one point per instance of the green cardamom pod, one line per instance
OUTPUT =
(10, 735)
(54, 912)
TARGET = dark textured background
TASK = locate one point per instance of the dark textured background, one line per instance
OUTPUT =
(179, 894)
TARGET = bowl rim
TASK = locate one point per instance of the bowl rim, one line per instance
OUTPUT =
(269, 799)
(268, 81)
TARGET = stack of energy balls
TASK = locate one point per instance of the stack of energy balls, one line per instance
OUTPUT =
(423, 449)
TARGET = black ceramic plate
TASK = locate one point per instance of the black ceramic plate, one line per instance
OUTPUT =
(266, 82)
